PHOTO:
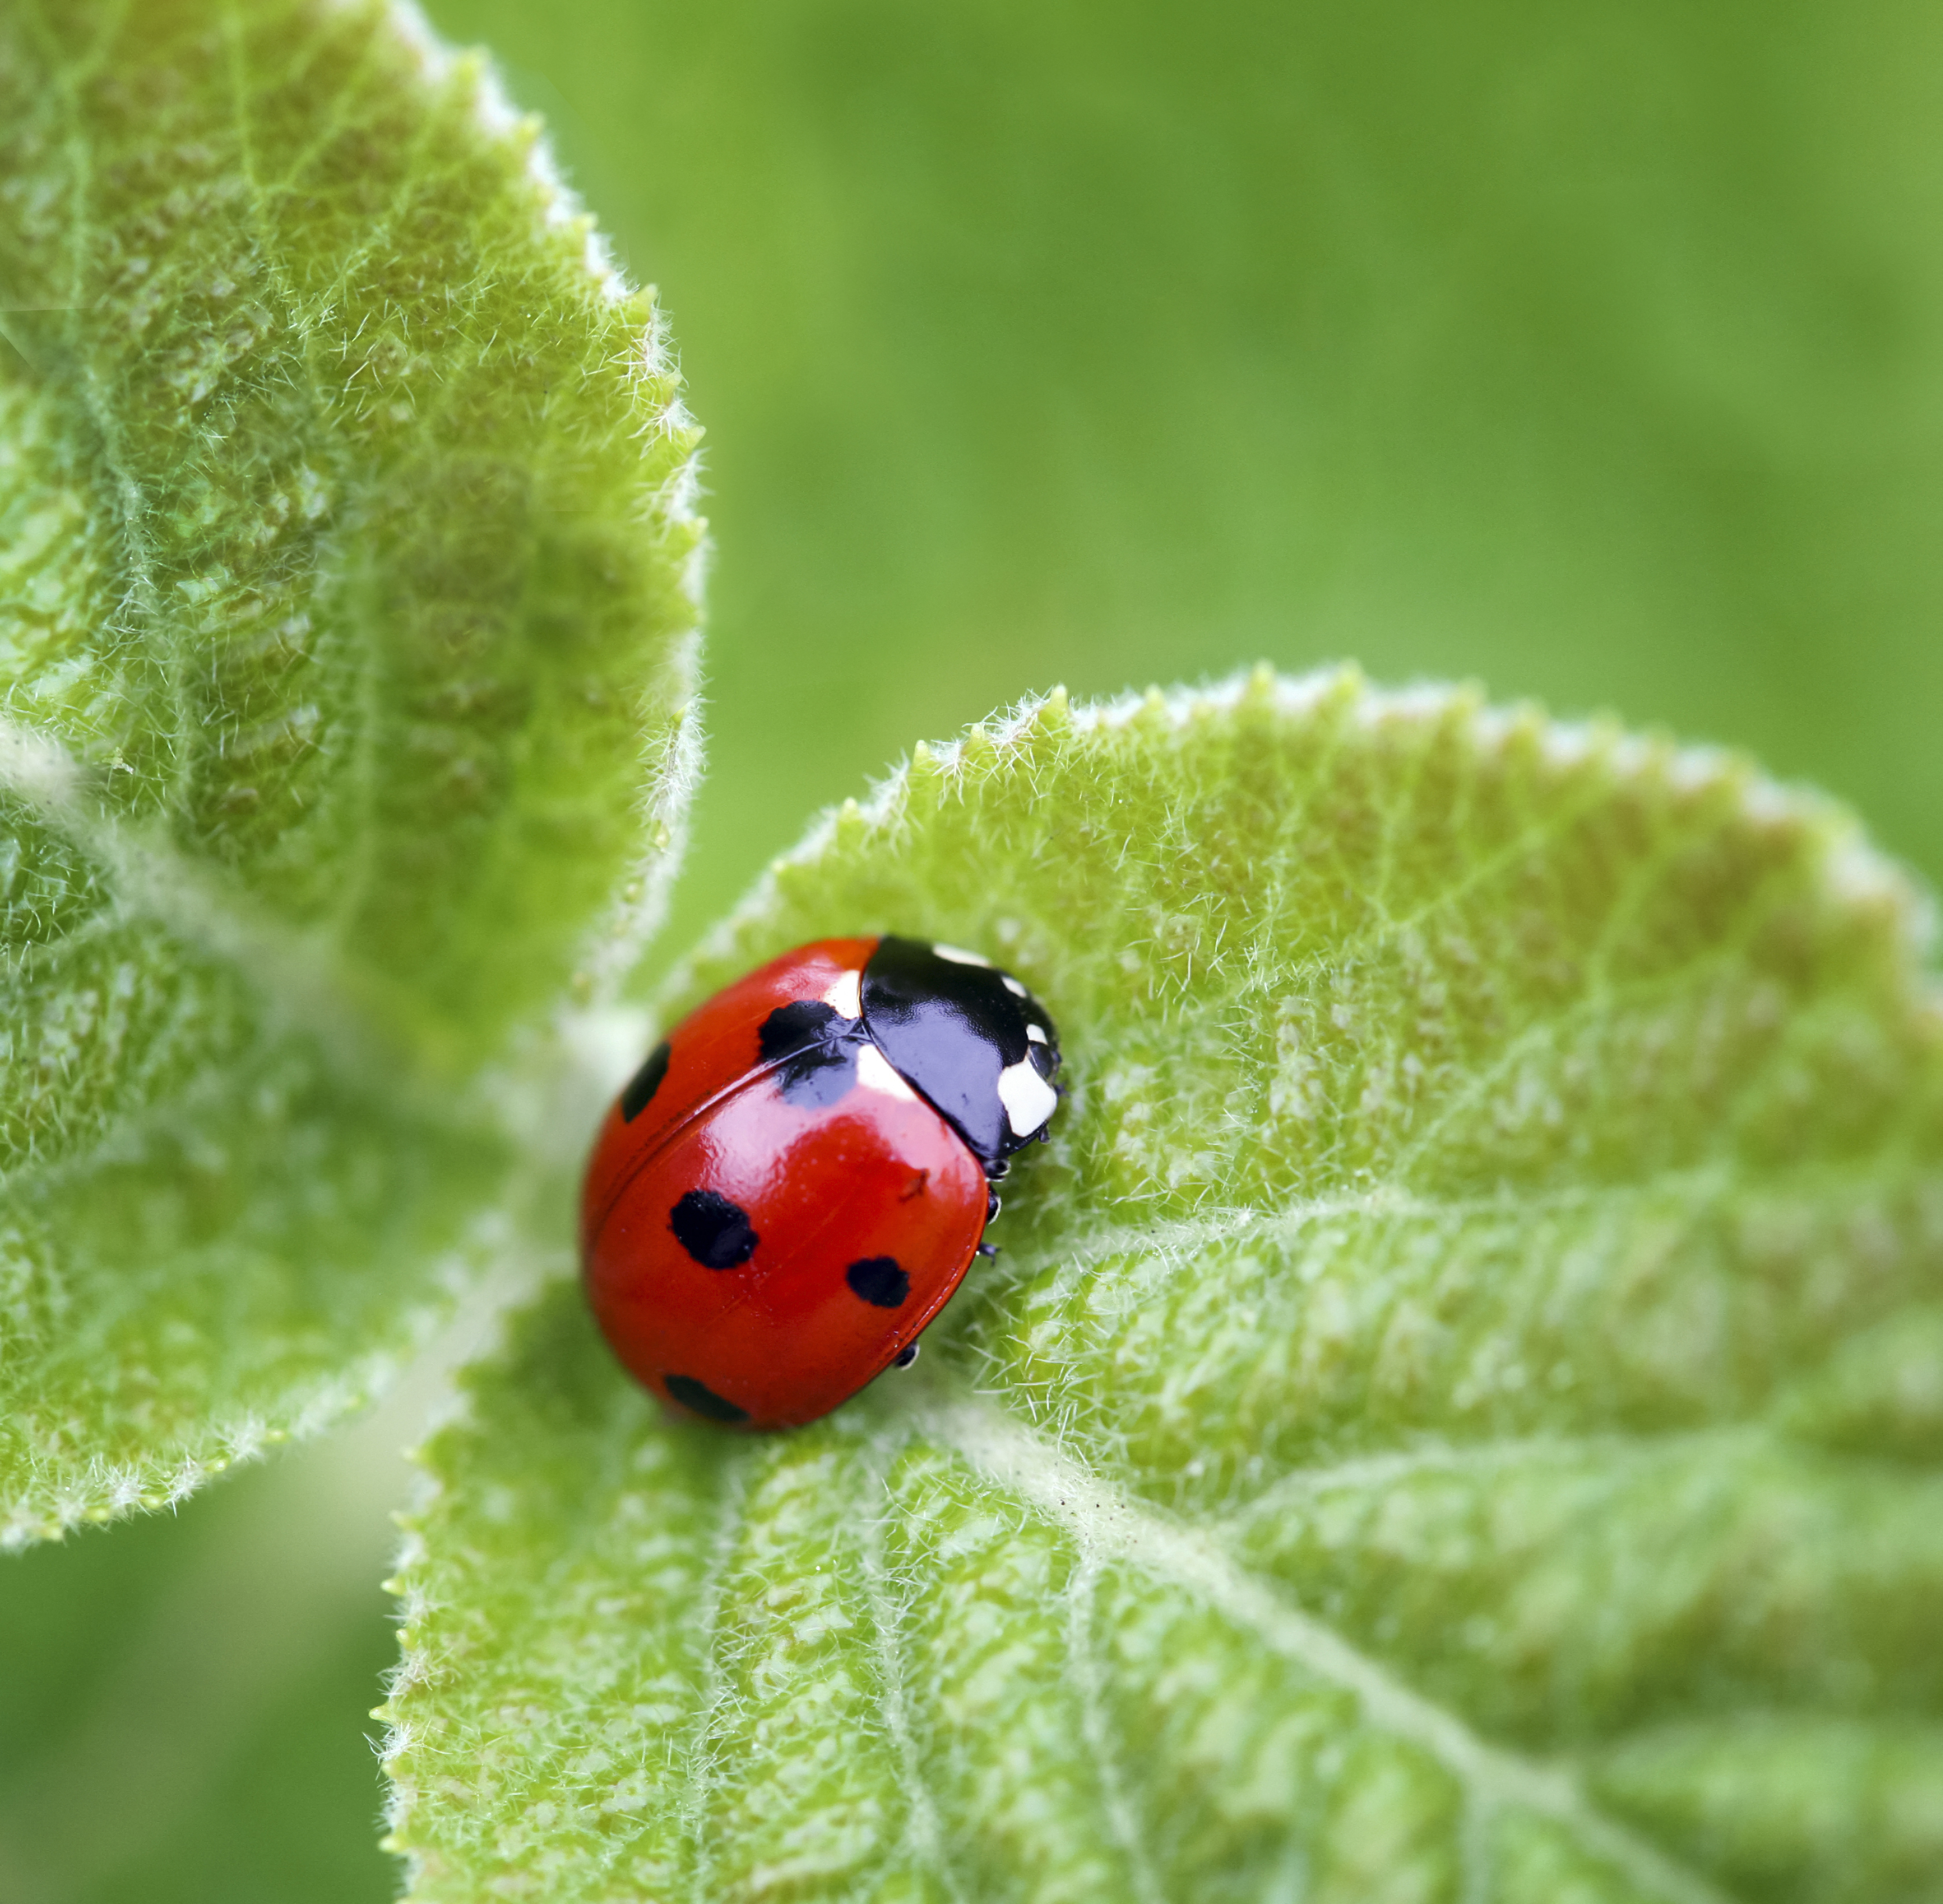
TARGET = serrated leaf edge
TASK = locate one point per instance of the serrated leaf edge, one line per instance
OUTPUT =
(1857, 872)
(294, 973)
(640, 903)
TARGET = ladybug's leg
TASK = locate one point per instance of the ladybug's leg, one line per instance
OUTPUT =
(905, 1356)
(992, 1209)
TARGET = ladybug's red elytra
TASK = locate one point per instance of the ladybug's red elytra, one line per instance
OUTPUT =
(795, 1180)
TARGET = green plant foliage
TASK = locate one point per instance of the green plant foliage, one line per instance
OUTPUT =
(346, 626)
(1458, 1415)
(1594, 351)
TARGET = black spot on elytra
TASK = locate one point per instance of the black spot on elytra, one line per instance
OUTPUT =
(878, 1279)
(692, 1394)
(813, 1048)
(642, 1086)
(715, 1232)
(791, 1027)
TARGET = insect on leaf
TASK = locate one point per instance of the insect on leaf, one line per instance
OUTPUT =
(346, 624)
(1459, 1414)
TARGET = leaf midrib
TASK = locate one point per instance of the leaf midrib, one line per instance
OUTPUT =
(299, 978)
(1105, 1522)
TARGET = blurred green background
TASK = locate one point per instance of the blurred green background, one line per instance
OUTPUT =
(1594, 352)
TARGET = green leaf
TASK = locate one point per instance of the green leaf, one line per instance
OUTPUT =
(1458, 1415)
(346, 627)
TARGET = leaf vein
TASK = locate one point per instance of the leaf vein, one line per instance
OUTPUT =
(1122, 1821)
(1105, 1522)
(732, 1521)
(923, 1831)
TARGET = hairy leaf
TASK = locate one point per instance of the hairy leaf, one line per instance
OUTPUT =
(1459, 1415)
(345, 621)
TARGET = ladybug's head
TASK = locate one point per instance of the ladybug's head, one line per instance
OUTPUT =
(969, 1039)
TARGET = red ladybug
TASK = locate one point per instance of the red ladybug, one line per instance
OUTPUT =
(794, 1183)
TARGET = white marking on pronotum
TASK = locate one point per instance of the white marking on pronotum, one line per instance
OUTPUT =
(960, 957)
(874, 1074)
(1033, 1033)
(1028, 1098)
(1109, 1526)
(1012, 984)
(845, 995)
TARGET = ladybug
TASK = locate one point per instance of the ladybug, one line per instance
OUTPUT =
(795, 1180)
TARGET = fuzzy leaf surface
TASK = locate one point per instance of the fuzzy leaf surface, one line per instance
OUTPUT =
(1457, 1416)
(346, 631)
